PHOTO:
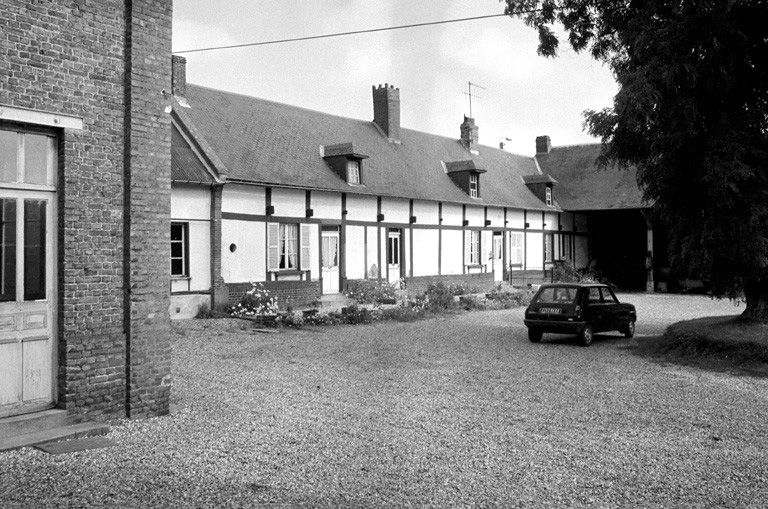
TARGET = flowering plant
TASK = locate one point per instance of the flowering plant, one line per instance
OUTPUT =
(256, 302)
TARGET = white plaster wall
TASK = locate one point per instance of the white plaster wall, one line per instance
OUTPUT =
(581, 222)
(241, 199)
(187, 306)
(426, 212)
(453, 252)
(326, 205)
(451, 214)
(190, 203)
(289, 202)
(248, 262)
(550, 220)
(355, 252)
(534, 251)
(475, 215)
(395, 210)
(582, 253)
(534, 219)
(373, 252)
(361, 208)
(515, 218)
(566, 219)
(496, 215)
(425, 251)
(199, 255)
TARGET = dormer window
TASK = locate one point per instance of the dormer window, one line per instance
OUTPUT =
(347, 163)
(549, 196)
(353, 171)
(473, 186)
(466, 175)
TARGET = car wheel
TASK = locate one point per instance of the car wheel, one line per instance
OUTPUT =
(534, 335)
(586, 336)
(629, 329)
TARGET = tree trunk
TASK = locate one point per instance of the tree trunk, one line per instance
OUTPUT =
(756, 294)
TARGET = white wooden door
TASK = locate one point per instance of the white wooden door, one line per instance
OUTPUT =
(27, 271)
(394, 251)
(330, 260)
(497, 257)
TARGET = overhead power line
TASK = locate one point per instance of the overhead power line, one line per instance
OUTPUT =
(352, 32)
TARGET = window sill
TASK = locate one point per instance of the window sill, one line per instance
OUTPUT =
(180, 278)
(288, 272)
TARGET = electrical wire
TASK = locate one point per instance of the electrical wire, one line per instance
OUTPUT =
(352, 32)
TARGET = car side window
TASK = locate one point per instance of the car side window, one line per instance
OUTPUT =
(594, 296)
(608, 296)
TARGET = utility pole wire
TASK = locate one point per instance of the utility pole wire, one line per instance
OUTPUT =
(353, 32)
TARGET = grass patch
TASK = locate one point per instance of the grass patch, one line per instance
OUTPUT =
(722, 343)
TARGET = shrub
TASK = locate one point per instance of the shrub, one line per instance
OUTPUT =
(256, 302)
(564, 271)
(405, 313)
(508, 300)
(472, 303)
(204, 312)
(439, 296)
(290, 319)
(371, 292)
(355, 315)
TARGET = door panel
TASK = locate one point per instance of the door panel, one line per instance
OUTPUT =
(329, 247)
(497, 256)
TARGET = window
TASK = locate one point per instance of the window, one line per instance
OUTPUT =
(472, 247)
(288, 246)
(608, 295)
(28, 158)
(473, 186)
(393, 248)
(516, 248)
(594, 295)
(7, 249)
(353, 171)
(34, 249)
(549, 196)
(548, 247)
(179, 250)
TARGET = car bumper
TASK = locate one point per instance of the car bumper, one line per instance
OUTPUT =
(556, 326)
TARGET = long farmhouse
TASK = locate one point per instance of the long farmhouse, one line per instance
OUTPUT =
(305, 202)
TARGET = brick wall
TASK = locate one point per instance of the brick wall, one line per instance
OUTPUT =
(68, 57)
(294, 293)
(418, 285)
(148, 214)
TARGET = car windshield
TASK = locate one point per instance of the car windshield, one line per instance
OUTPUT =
(558, 294)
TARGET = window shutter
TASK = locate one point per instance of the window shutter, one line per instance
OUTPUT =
(467, 247)
(273, 242)
(305, 234)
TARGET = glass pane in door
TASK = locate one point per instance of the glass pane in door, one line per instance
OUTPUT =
(7, 249)
(36, 151)
(34, 249)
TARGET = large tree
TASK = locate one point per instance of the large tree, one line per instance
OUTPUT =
(691, 115)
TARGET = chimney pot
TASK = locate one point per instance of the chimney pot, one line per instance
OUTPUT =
(543, 144)
(178, 75)
(386, 110)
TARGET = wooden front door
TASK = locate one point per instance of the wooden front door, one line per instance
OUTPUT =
(27, 272)
(497, 257)
(330, 259)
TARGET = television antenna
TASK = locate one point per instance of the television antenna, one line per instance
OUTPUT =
(471, 95)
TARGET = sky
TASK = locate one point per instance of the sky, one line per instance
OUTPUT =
(525, 95)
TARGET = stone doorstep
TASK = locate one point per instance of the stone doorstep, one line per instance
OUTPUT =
(56, 434)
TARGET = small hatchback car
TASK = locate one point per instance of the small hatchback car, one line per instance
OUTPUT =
(578, 308)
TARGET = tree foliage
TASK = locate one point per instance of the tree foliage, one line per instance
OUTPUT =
(691, 115)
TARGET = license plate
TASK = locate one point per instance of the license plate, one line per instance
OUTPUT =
(549, 311)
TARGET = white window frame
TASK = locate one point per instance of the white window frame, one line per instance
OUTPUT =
(473, 240)
(549, 246)
(353, 172)
(280, 249)
(548, 196)
(394, 240)
(473, 186)
(184, 241)
(516, 242)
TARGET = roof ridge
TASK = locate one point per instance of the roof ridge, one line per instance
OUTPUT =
(574, 145)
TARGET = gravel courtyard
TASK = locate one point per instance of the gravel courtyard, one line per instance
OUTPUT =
(443, 412)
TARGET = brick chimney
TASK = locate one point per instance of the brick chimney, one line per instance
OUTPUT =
(469, 134)
(543, 145)
(178, 75)
(386, 110)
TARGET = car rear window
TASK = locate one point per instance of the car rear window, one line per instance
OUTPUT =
(558, 294)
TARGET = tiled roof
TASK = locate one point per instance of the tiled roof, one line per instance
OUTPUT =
(271, 143)
(185, 165)
(585, 186)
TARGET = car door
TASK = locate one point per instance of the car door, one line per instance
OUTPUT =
(594, 309)
(617, 314)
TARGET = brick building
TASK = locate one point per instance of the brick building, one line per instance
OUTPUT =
(85, 161)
